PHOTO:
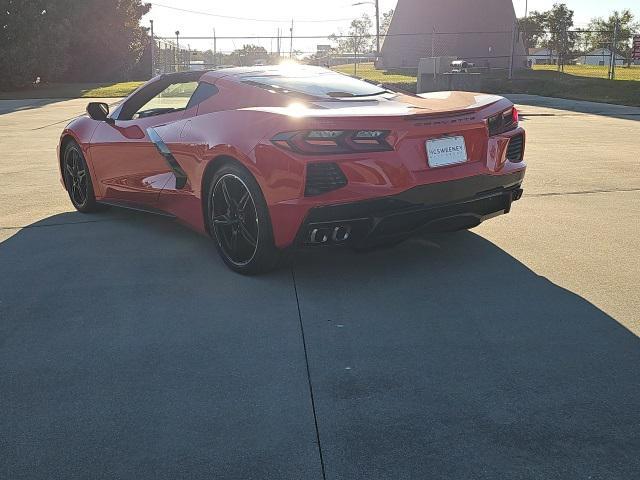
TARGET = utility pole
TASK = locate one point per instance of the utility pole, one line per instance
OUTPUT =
(513, 48)
(377, 29)
(565, 46)
(525, 39)
(433, 53)
(177, 59)
(153, 52)
(291, 45)
(613, 48)
(355, 62)
(377, 5)
(278, 45)
(215, 49)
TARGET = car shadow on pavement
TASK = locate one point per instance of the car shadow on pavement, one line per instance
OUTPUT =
(11, 106)
(129, 350)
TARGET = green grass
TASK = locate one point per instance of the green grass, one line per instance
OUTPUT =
(368, 71)
(578, 82)
(595, 71)
(566, 85)
(547, 83)
(74, 90)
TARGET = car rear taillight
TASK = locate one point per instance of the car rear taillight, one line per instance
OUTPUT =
(327, 142)
(503, 122)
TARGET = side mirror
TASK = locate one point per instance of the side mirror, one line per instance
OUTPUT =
(98, 111)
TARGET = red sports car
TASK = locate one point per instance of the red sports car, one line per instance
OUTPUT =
(265, 159)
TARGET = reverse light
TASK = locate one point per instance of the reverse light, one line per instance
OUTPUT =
(326, 142)
(325, 134)
(503, 121)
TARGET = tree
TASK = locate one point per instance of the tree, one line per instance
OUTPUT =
(35, 37)
(385, 23)
(358, 39)
(320, 58)
(550, 29)
(559, 22)
(533, 28)
(250, 54)
(601, 33)
(70, 40)
(107, 40)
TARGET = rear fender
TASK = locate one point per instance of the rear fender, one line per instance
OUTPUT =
(197, 141)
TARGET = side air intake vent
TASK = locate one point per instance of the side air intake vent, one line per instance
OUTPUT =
(515, 151)
(323, 178)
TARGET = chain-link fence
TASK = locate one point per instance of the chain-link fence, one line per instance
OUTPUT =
(587, 53)
(601, 54)
(188, 53)
(169, 57)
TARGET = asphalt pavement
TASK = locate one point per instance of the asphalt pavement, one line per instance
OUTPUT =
(128, 350)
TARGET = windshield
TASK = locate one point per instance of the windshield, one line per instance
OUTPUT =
(322, 85)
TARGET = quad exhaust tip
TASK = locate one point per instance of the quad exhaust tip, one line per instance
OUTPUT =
(318, 236)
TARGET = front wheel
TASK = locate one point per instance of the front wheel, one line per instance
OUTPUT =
(239, 221)
(78, 181)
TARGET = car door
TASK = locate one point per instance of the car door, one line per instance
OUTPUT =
(126, 160)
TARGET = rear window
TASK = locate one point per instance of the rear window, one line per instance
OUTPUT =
(202, 93)
(319, 85)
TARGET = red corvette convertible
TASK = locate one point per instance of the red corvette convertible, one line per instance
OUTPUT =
(265, 159)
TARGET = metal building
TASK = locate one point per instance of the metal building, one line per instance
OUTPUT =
(480, 31)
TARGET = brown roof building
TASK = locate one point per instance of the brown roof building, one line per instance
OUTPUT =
(480, 31)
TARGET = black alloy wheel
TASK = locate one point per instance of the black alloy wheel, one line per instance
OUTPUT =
(76, 177)
(235, 219)
(77, 180)
(239, 221)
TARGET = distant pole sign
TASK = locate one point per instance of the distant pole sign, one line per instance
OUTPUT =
(636, 47)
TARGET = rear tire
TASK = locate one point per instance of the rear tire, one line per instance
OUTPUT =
(77, 180)
(239, 221)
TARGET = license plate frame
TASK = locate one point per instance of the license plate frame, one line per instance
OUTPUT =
(446, 151)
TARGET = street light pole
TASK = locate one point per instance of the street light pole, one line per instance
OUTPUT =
(377, 5)
(525, 39)
(291, 44)
(614, 48)
(177, 59)
(215, 49)
(153, 52)
(377, 29)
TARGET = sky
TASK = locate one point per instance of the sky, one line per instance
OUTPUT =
(309, 20)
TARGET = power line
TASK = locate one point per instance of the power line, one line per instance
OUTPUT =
(248, 19)
(333, 36)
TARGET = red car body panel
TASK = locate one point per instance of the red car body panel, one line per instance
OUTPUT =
(240, 121)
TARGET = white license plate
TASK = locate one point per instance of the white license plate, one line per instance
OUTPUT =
(446, 151)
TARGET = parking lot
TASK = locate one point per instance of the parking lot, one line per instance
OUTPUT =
(128, 350)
